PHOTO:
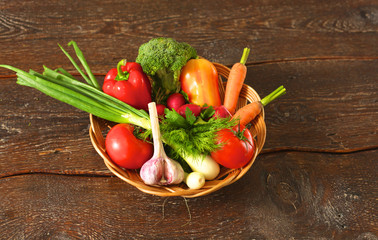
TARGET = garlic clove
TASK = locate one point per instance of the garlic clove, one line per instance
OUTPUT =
(173, 172)
(152, 171)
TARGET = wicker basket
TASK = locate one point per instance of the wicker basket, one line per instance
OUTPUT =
(99, 128)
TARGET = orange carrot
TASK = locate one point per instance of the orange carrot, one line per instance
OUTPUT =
(235, 82)
(249, 112)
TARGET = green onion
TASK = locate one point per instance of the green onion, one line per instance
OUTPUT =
(92, 79)
(82, 96)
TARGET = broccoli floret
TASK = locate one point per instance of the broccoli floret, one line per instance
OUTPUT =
(162, 59)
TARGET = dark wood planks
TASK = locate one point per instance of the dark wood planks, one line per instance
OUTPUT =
(329, 105)
(110, 30)
(315, 179)
(285, 195)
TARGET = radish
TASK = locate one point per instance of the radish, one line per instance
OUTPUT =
(175, 101)
(160, 109)
(221, 112)
(196, 109)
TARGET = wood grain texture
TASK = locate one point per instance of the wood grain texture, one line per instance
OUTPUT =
(284, 196)
(219, 30)
(315, 179)
(329, 105)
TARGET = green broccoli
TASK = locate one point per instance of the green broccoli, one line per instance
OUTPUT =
(162, 59)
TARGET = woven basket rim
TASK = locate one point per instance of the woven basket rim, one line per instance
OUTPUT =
(226, 176)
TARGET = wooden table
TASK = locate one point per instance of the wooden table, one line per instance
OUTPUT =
(316, 177)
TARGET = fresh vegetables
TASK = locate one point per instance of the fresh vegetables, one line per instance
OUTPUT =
(160, 169)
(189, 135)
(162, 59)
(129, 84)
(195, 128)
(125, 149)
(235, 82)
(199, 80)
(82, 96)
(195, 109)
(194, 140)
(237, 147)
(87, 97)
(203, 164)
(160, 109)
(175, 101)
(222, 112)
(247, 113)
(194, 180)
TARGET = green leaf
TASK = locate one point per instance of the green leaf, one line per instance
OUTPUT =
(190, 118)
(186, 97)
(207, 112)
(64, 72)
(83, 61)
(175, 119)
(76, 66)
(196, 139)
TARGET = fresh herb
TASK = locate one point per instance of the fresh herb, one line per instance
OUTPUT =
(190, 135)
(207, 113)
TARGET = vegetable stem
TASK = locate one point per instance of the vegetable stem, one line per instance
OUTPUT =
(156, 135)
(245, 55)
(107, 99)
(83, 61)
(82, 96)
(75, 65)
(275, 94)
(92, 80)
(121, 75)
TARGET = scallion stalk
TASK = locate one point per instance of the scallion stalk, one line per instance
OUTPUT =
(91, 80)
(82, 96)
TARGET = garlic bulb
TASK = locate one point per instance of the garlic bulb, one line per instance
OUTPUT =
(160, 169)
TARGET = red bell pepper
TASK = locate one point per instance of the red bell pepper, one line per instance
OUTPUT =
(199, 80)
(129, 84)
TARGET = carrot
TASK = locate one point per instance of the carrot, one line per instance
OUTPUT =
(249, 112)
(235, 82)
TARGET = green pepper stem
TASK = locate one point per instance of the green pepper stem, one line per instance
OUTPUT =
(275, 94)
(122, 75)
(245, 55)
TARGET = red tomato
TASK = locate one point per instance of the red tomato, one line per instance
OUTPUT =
(238, 147)
(125, 149)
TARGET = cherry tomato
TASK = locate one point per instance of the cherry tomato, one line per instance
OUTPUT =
(125, 149)
(237, 148)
